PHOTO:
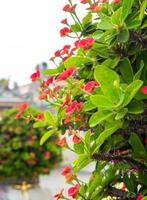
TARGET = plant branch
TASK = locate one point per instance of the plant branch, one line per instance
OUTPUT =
(120, 158)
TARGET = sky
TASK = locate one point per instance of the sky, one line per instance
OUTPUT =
(29, 35)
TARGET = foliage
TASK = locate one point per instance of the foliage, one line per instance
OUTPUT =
(21, 155)
(99, 92)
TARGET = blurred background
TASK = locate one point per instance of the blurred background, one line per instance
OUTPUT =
(29, 36)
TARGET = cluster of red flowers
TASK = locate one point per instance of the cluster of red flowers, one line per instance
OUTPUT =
(35, 76)
(21, 109)
(85, 44)
(69, 176)
(90, 86)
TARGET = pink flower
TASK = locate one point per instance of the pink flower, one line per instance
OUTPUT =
(64, 75)
(21, 109)
(95, 7)
(86, 44)
(65, 31)
(73, 191)
(90, 86)
(35, 76)
(64, 21)
(59, 195)
(84, 1)
(140, 197)
(144, 89)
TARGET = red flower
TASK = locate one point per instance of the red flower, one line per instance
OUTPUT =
(62, 142)
(67, 119)
(90, 86)
(67, 101)
(115, 1)
(66, 171)
(144, 89)
(86, 44)
(84, 1)
(21, 109)
(64, 75)
(47, 155)
(40, 116)
(140, 197)
(66, 49)
(73, 191)
(65, 31)
(43, 96)
(18, 115)
(69, 8)
(50, 80)
(70, 177)
(64, 21)
(95, 7)
(59, 195)
(57, 53)
(123, 189)
(75, 106)
(76, 139)
(35, 76)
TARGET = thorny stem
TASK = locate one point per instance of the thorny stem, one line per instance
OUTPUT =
(120, 158)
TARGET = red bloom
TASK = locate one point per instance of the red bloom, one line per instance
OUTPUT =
(62, 142)
(84, 1)
(64, 75)
(22, 107)
(47, 155)
(18, 115)
(50, 80)
(69, 8)
(90, 86)
(144, 89)
(140, 197)
(66, 49)
(57, 53)
(43, 96)
(65, 31)
(95, 7)
(76, 139)
(56, 89)
(66, 171)
(67, 101)
(115, 1)
(35, 76)
(40, 116)
(123, 189)
(67, 119)
(64, 21)
(73, 191)
(75, 106)
(59, 195)
(86, 44)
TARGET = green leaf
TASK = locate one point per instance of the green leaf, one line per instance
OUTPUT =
(131, 91)
(54, 71)
(104, 135)
(136, 144)
(117, 17)
(136, 107)
(76, 61)
(123, 36)
(81, 162)
(87, 140)
(133, 24)
(126, 8)
(126, 70)
(40, 124)
(99, 117)
(142, 10)
(105, 23)
(139, 72)
(111, 63)
(46, 136)
(101, 101)
(121, 114)
(87, 19)
(79, 148)
(109, 81)
(75, 27)
(49, 118)
(88, 105)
